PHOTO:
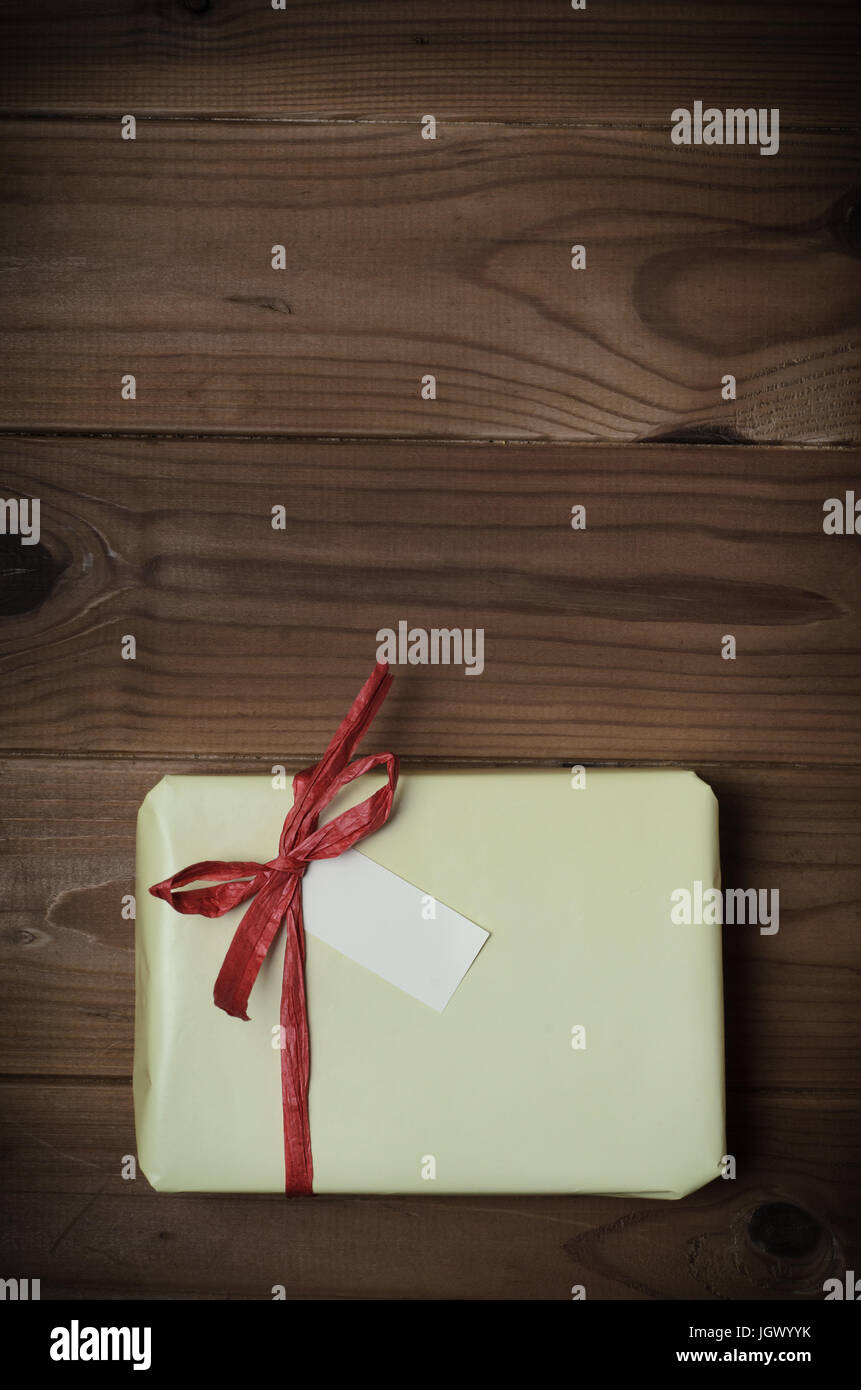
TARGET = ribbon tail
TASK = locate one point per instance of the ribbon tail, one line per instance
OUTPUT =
(310, 785)
(247, 950)
(295, 1059)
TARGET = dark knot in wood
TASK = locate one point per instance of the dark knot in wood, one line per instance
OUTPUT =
(27, 575)
(782, 1229)
(846, 221)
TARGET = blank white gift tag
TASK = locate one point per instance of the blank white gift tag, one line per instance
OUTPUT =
(371, 915)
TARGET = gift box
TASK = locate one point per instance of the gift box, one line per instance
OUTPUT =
(498, 999)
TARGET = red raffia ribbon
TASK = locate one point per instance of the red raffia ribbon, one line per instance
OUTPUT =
(277, 891)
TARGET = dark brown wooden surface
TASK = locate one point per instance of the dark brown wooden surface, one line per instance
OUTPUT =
(407, 257)
(599, 644)
(499, 60)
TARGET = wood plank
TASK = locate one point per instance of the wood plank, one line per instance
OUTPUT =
(601, 644)
(66, 989)
(408, 257)
(489, 59)
(72, 1221)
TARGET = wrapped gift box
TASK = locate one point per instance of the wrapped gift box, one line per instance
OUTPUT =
(496, 1093)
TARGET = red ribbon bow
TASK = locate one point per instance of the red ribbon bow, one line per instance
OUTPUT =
(278, 889)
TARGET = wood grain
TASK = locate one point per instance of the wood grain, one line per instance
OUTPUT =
(408, 257)
(601, 644)
(395, 59)
(71, 1220)
(792, 999)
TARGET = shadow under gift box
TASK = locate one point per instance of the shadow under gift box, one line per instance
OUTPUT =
(574, 887)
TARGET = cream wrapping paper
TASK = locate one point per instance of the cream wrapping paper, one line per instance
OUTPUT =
(574, 887)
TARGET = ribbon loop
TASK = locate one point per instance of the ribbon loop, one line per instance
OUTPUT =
(276, 888)
(354, 824)
(237, 881)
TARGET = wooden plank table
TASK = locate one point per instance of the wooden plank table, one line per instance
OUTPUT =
(490, 60)
(556, 388)
(406, 259)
